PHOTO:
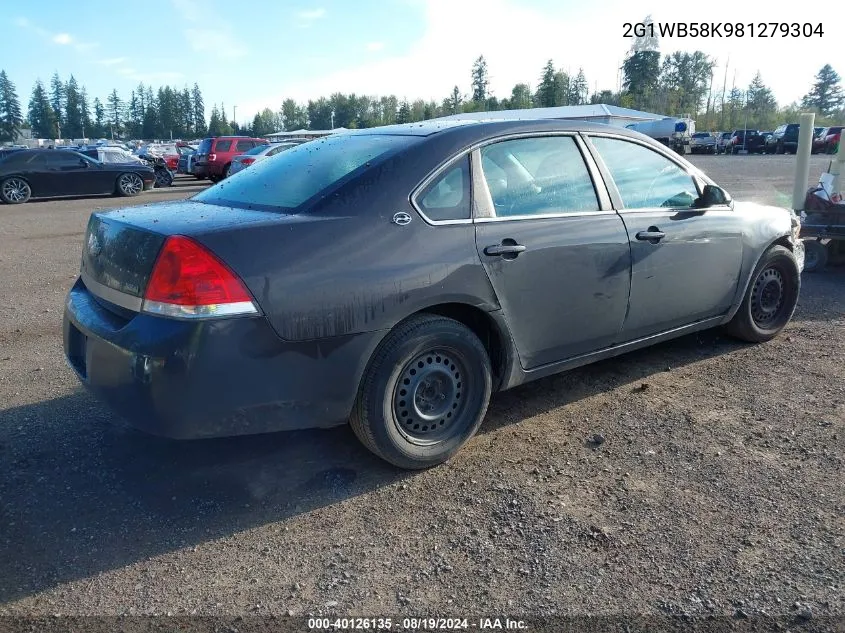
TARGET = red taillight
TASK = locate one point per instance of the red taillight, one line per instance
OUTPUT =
(247, 161)
(188, 281)
(212, 158)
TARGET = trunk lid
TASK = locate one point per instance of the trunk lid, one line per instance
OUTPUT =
(121, 246)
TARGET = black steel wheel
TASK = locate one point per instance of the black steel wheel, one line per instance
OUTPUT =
(770, 298)
(815, 256)
(15, 190)
(424, 392)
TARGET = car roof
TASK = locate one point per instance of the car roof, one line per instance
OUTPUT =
(479, 130)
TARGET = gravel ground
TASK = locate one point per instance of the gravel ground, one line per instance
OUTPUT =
(701, 476)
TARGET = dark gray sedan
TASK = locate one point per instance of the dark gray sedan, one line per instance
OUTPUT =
(396, 277)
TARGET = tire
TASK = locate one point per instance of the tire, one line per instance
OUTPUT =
(15, 190)
(227, 171)
(215, 179)
(199, 177)
(779, 149)
(770, 298)
(163, 179)
(448, 377)
(129, 184)
(815, 256)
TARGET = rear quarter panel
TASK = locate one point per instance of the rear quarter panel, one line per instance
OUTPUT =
(353, 270)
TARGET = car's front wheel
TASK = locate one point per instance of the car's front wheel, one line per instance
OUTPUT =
(15, 190)
(770, 299)
(424, 393)
(129, 184)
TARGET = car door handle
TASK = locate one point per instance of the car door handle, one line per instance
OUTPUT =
(504, 249)
(653, 235)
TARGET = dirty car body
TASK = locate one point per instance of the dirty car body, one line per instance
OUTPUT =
(541, 239)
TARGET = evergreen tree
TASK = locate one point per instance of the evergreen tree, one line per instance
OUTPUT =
(762, 107)
(114, 111)
(215, 124)
(57, 102)
(480, 80)
(187, 108)
(404, 114)
(826, 94)
(99, 119)
(562, 89)
(74, 119)
(10, 110)
(545, 97)
(41, 117)
(198, 105)
(87, 124)
(579, 89)
(454, 101)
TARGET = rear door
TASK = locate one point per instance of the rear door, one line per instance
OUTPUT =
(686, 262)
(556, 253)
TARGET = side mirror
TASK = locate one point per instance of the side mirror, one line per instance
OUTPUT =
(712, 196)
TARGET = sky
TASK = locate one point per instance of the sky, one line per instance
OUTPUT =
(253, 55)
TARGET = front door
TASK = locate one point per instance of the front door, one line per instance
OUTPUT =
(557, 258)
(685, 262)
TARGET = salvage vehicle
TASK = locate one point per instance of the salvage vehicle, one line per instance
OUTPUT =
(750, 141)
(396, 277)
(54, 173)
(703, 143)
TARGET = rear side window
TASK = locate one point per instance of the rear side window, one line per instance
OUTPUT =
(223, 146)
(448, 196)
(243, 146)
(537, 176)
(645, 179)
(300, 173)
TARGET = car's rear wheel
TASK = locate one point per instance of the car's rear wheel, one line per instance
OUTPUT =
(227, 171)
(15, 190)
(815, 256)
(129, 184)
(424, 393)
(770, 299)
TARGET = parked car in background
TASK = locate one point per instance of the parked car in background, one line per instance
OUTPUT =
(186, 159)
(831, 139)
(672, 132)
(703, 143)
(111, 155)
(258, 153)
(818, 140)
(786, 138)
(749, 140)
(723, 142)
(253, 307)
(52, 173)
(214, 155)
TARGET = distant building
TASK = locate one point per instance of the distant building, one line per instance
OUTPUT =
(281, 136)
(596, 113)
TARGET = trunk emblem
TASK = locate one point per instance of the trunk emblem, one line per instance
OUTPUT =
(401, 218)
(94, 246)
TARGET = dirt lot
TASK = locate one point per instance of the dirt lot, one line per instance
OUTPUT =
(718, 488)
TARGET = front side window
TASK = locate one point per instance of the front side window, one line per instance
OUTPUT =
(537, 176)
(448, 196)
(645, 179)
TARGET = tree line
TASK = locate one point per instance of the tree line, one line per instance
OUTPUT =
(677, 84)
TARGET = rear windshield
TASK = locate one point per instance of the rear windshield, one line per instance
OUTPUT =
(701, 135)
(295, 175)
(205, 146)
(256, 150)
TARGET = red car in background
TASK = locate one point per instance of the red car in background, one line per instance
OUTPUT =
(214, 155)
(831, 139)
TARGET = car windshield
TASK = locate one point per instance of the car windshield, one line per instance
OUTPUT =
(297, 174)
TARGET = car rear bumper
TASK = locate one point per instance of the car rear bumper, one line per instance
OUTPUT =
(187, 379)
